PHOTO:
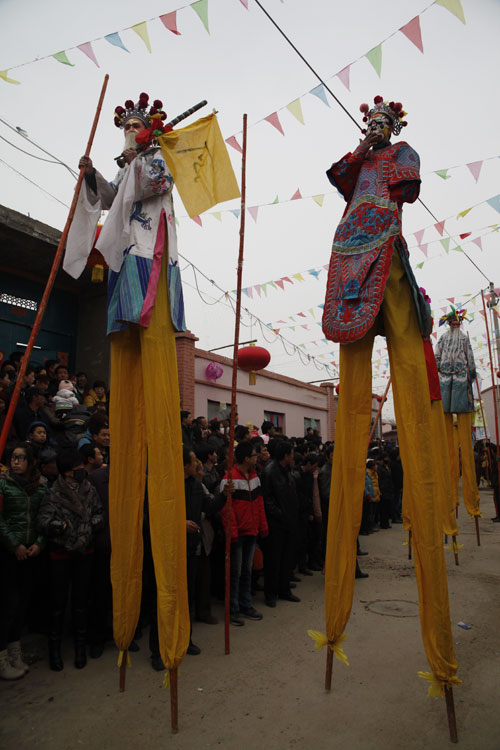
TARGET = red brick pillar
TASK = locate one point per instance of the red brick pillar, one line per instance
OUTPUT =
(184, 344)
(331, 405)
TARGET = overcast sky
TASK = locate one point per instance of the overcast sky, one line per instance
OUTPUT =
(244, 65)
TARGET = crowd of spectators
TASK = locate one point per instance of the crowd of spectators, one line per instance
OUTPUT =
(54, 523)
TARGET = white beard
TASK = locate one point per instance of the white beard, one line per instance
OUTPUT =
(130, 141)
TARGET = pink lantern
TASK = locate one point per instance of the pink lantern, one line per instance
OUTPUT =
(213, 371)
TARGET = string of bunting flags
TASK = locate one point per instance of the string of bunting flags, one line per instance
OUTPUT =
(411, 30)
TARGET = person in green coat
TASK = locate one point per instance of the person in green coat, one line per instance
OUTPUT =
(21, 492)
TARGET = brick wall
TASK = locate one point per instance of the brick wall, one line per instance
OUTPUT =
(184, 343)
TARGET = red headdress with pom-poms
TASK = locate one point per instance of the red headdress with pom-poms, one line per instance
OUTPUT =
(153, 118)
(393, 110)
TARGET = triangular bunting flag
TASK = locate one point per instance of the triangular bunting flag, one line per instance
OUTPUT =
(250, 292)
(464, 235)
(304, 325)
(311, 310)
(5, 77)
(235, 212)
(419, 235)
(62, 57)
(319, 199)
(440, 227)
(445, 243)
(344, 76)
(280, 283)
(264, 288)
(457, 249)
(411, 30)
(276, 200)
(475, 169)
(217, 215)
(494, 202)
(253, 211)
(423, 248)
(443, 173)
(464, 213)
(200, 7)
(320, 92)
(296, 196)
(115, 40)
(274, 120)
(301, 314)
(257, 288)
(231, 141)
(141, 30)
(169, 20)
(292, 328)
(299, 277)
(87, 50)
(454, 6)
(479, 242)
(285, 278)
(296, 110)
(245, 291)
(197, 219)
(374, 56)
(244, 3)
(451, 299)
(314, 272)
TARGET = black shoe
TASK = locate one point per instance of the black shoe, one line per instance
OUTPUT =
(397, 520)
(289, 597)
(295, 579)
(251, 613)
(235, 619)
(55, 660)
(292, 585)
(80, 653)
(360, 574)
(157, 663)
(192, 649)
(305, 572)
(364, 533)
(385, 526)
(134, 647)
(496, 519)
(361, 554)
(270, 601)
(96, 649)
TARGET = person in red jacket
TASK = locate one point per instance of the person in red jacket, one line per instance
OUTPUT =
(248, 520)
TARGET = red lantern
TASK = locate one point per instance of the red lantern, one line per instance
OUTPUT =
(95, 261)
(337, 389)
(251, 359)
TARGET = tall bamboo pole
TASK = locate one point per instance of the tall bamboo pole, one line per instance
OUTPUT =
(50, 282)
(493, 392)
(230, 457)
(377, 416)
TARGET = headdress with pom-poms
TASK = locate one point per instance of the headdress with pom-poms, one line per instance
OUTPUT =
(393, 110)
(454, 314)
(152, 117)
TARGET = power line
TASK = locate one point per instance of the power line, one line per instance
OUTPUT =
(292, 45)
(34, 183)
(57, 160)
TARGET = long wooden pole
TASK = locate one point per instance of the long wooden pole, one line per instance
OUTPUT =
(450, 710)
(50, 282)
(329, 665)
(493, 392)
(123, 671)
(230, 456)
(173, 701)
(379, 410)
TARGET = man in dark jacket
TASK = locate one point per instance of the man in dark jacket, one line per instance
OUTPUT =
(281, 504)
(304, 478)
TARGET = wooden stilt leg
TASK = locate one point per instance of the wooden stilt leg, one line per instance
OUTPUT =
(409, 544)
(455, 550)
(123, 671)
(329, 665)
(450, 710)
(446, 538)
(456, 512)
(476, 519)
(173, 701)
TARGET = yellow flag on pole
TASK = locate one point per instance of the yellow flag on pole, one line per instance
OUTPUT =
(200, 165)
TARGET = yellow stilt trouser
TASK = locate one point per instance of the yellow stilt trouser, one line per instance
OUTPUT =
(462, 436)
(413, 416)
(146, 435)
(452, 447)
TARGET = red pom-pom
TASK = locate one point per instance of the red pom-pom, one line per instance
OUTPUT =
(119, 111)
(158, 104)
(365, 119)
(378, 99)
(144, 96)
(163, 116)
(144, 136)
(129, 104)
(398, 106)
(118, 122)
(364, 108)
(363, 130)
(404, 124)
(152, 111)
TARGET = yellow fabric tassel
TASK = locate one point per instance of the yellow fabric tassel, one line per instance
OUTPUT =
(454, 546)
(252, 377)
(120, 659)
(320, 641)
(97, 274)
(166, 680)
(437, 687)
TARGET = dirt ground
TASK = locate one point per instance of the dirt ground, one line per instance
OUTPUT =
(269, 692)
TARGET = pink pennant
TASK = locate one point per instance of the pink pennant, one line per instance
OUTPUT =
(169, 20)
(258, 288)
(253, 211)
(283, 322)
(440, 227)
(250, 292)
(275, 121)
(285, 278)
(326, 267)
(419, 235)
(244, 3)
(304, 325)
(423, 248)
(451, 299)
(479, 242)
(475, 169)
(296, 195)
(197, 220)
(444, 309)
(234, 143)
(434, 334)
(301, 315)
(463, 236)
(412, 31)
(344, 76)
(281, 284)
(87, 50)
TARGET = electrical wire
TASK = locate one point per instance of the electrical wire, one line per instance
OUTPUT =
(58, 161)
(34, 183)
(348, 113)
(33, 156)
